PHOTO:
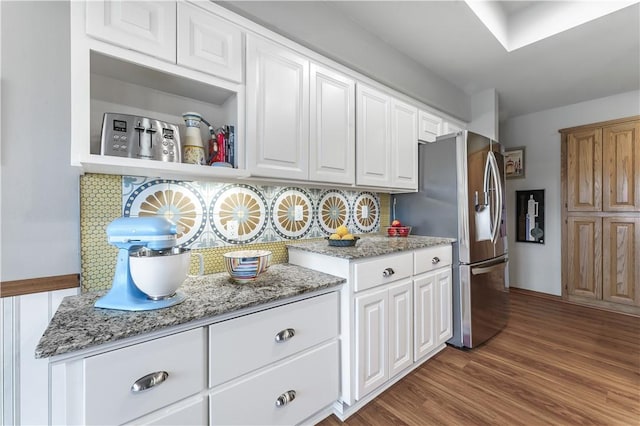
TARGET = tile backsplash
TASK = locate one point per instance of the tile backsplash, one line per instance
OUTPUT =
(265, 217)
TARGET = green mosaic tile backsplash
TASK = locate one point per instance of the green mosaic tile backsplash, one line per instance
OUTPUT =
(102, 198)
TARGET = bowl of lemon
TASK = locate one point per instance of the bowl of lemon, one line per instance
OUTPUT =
(342, 238)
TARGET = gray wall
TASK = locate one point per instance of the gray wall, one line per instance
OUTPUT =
(537, 266)
(39, 231)
(329, 33)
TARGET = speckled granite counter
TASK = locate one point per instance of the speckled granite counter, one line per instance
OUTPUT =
(370, 246)
(77, 324)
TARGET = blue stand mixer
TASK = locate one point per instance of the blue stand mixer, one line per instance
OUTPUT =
(130, 234)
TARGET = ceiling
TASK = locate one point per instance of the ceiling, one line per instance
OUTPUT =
(597, 58)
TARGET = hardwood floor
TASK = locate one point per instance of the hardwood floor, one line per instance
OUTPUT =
(554, 363)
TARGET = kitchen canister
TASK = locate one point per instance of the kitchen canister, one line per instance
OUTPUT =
(193, 149)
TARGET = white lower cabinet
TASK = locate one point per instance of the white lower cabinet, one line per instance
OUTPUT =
(275, 366)
(384, 335)
(286, 393)
(424, 308)
(395, 313)
(278, 366)
(432, 306)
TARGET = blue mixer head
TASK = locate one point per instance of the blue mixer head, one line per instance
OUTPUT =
(156, 233)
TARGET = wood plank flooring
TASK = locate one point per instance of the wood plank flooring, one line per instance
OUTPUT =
(555, 363)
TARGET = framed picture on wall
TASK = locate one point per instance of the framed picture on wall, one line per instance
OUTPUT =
(530, 216)
(514, 163)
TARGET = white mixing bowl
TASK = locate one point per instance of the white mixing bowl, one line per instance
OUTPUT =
(158, 274)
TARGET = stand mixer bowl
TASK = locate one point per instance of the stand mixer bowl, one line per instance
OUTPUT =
(159, 273)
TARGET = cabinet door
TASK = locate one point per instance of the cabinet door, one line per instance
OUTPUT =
(332, 129)
(429, 126)
(404, 145)
(400, 327)
(424, 300)
(621, 167)
(443, 323)
(621, 259)
(146, 26)
(584, 256)
(209, 43)
(584, 170)
(372, 366)
(277, 111)
(373, 137)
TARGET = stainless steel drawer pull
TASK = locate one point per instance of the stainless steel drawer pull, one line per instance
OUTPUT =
(285, 335)
(388, 272)
(285, 398)
(149, 381)
(435, 260)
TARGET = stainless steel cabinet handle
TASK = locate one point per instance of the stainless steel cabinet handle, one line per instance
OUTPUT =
(149, 381)
(435, 260)
(388, 272)
(285, 398)
(285, 335)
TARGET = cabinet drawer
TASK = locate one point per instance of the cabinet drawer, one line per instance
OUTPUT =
(431, 258)
(382, 270)
(244, 344)
(108, 378)
(312, 375)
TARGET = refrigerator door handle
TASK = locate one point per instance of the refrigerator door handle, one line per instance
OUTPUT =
(492, 163)
(479, 270)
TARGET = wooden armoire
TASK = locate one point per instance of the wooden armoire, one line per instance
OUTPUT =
(601, 214)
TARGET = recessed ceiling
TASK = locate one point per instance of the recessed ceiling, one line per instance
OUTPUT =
(598, 58)
(519, 23)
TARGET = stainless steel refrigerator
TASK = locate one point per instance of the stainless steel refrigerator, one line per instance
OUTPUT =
(461, 195)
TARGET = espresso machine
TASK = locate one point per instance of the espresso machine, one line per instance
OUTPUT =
(131, 234)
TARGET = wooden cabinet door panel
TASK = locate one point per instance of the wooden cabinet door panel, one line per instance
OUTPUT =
(621, 167)
(621, 262)
(584, 256)
(584, 170)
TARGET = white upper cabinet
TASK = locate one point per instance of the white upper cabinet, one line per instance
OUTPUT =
(146, 26)
(209, 43)
(373, 137)
(429, 126)
(332, 126)
(277, 111)
(404, 145)
(386, 140)
(450, 127)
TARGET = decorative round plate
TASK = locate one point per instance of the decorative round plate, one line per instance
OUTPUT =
(283, 209)
(333, 210)
(242, 203)
(174, 200)
(366, 212)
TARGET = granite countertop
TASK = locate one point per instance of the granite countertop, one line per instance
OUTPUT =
(371, 246)
(77, 324)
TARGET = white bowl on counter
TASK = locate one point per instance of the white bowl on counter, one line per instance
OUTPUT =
(159, 273)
